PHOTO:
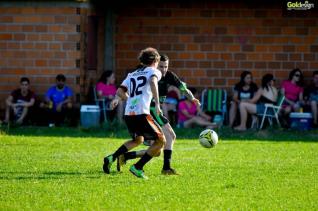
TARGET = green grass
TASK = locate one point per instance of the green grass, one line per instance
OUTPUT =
(58, 168)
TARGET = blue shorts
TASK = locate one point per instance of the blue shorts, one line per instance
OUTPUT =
(313, 97)
(180, 124)
(260, 108)
(171, 100)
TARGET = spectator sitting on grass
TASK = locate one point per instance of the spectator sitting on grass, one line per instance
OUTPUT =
(266, 94)
(190, 114)
(20, 102)
(58, 101)
(171, 102)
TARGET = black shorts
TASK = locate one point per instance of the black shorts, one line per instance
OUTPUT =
(159, 118)
(143, 125)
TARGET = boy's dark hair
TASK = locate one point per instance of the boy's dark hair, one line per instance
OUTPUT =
(164, 57)
(315, 73)
(23, 79)
(60, 77)
(149, 56)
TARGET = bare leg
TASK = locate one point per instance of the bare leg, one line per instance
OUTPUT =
(170, 136)
(284, 113)
(198, 121)
(156, 147)
(165, 109)
(232, 114)
(120, 112)
(23, 115)
(7, 115)
(152, 151)
(121, 150)
(128, 145)
(296, 107)
(134, 143)
(287, 110)
(245, 108)
(314, 110)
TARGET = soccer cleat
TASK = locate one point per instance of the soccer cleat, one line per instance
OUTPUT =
(120, 162)
(169, 172)
(138, 173)
(107, 163)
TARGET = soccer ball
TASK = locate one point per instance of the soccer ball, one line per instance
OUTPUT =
(208, 138)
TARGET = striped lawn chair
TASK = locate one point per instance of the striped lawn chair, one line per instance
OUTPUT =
(214, 101)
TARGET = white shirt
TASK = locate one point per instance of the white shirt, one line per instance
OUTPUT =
(139, 90)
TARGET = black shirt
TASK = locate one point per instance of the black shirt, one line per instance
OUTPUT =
(169, 79)
(18, 97)
(263, 100)
(246, 94)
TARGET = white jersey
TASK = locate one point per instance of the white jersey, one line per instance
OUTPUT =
(139, 90)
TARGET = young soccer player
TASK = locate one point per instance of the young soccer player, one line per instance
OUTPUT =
(168, 78)
(138, 89)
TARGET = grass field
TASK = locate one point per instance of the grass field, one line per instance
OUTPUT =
(56, 168)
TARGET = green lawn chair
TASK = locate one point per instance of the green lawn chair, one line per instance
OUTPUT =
(214, 101)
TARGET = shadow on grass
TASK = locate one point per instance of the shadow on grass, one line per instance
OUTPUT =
(275, 134)
(101, 132)
(48, 175)
(225, 133)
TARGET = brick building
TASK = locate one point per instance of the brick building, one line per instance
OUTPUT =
(209, 43)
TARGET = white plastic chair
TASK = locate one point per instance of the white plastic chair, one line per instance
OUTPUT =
(102, 103)
(271, 111)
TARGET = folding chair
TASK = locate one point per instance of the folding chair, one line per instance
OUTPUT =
(214, 100)
(271, 111)
(102, 103)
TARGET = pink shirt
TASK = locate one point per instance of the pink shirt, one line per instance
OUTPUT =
(192, 110)
(106, 89)
(292, 91)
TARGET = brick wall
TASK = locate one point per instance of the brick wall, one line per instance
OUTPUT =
(39, 41)
(210, 44)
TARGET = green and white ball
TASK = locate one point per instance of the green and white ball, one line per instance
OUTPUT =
(208, 138)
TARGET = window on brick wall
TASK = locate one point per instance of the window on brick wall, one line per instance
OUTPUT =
(92, 42)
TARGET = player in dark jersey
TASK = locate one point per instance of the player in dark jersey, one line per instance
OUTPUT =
(168, 78)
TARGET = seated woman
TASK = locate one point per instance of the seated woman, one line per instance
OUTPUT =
(293, 92)
(312, 98)
(243, 91)
(106, 89)
(189, 114)
(169, 106)
(266, 94)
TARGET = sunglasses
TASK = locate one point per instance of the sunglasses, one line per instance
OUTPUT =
(297, 75)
